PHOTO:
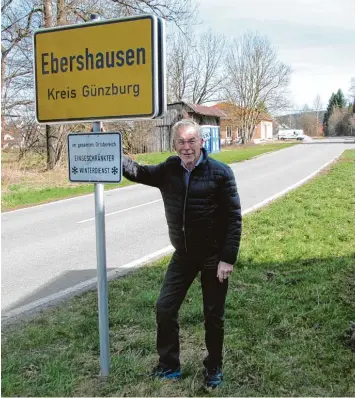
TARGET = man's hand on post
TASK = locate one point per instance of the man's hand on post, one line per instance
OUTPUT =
(224, 270)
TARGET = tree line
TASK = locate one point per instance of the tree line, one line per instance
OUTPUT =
(202, 66)
(339, 118)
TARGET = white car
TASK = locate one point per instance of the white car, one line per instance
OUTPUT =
(289, 134)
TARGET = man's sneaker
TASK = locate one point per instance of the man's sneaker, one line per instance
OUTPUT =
(213, 378)
(163, 373)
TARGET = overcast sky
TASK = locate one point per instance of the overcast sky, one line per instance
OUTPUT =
(315, 37)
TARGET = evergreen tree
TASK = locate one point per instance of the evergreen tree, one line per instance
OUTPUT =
(340, 101)
(336, 100)
(327, 114)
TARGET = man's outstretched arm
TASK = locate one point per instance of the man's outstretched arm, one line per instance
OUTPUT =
(147, 175)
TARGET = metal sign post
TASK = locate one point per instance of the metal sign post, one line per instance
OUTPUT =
(101, 272)
(97, 157)
(102, 293)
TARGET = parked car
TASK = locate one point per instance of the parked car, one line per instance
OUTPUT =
(290, 134)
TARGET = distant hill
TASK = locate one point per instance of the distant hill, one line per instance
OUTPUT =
(296, 120)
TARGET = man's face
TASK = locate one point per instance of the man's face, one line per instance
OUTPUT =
(188, 144)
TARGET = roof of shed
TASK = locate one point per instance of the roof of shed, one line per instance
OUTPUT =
(203, 110)
(232, 110)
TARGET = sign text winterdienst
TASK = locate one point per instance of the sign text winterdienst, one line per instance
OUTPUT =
(95, 157)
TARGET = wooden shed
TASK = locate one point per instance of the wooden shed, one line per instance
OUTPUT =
(161, 139)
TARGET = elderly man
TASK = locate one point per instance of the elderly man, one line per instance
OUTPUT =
(203, 214)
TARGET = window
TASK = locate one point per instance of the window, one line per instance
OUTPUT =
(229, 132)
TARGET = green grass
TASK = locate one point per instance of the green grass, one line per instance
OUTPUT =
(245, 153)
(291, 300)
(153, 158)
(228, 156)
(22, 195)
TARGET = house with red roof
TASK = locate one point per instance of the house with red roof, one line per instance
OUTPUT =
(230, 124)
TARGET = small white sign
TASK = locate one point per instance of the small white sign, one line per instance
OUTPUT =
(95, 157)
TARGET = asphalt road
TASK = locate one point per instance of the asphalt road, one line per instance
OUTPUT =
(49, 248)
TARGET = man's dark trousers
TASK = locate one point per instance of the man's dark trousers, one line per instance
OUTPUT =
(181, 272)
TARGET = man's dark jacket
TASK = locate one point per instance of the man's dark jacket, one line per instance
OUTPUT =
(204, 219)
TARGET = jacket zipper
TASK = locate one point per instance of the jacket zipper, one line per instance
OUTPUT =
(184, 215)
(183, 220)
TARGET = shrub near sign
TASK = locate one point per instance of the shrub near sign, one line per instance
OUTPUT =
(96, 71)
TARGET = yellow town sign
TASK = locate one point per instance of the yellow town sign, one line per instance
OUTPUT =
(100, 70)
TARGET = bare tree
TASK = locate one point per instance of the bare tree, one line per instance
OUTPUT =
(55, 135)
(257, 81)
(195, 67)
(335, 122)
(31, 133)
(291, 121)
(308, 121)
(17, 23)
(317, 106)
(306, 108)
(352, 93)
(341, 122)
(352, 125)
(134, 135)
(179, 67)
(207, 67)
(20, 18)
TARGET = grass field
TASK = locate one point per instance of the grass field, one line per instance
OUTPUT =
(288, 317)
(26, 182)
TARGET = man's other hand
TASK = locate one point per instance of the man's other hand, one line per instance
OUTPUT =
(224, 270)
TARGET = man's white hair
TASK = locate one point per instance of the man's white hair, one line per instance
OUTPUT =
(186, 123)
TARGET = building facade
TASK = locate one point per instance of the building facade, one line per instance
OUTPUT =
(231, 125)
